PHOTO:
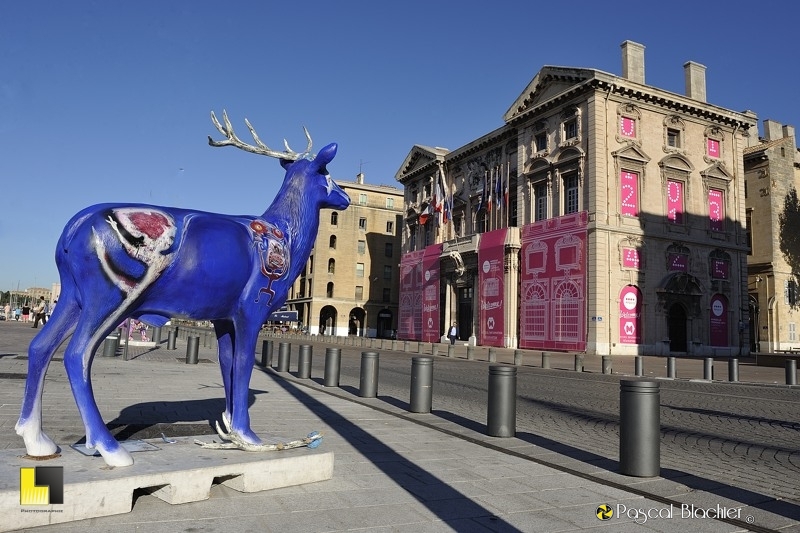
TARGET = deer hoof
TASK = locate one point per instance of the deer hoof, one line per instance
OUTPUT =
(118, 457)
(37, 444)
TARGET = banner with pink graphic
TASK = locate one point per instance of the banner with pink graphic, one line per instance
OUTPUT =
(630, 314)
(491, 257)
(409, 322)
(718, 321)
(430, 294)
(553, 283)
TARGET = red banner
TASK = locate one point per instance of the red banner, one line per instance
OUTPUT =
(491, 257)
(409, 324)
(718, 321)
(430, 294)
(553, 283)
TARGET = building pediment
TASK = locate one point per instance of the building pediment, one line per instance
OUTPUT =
(420, 159)
(632, 152)
(548, 84)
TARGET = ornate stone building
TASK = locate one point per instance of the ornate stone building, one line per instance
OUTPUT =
(349, 285)
(772, 169)
(605, 216)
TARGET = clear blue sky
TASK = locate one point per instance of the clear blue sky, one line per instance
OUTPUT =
(106, 101)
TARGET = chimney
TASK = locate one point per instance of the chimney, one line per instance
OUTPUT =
(695, 76)
(772, 130)
(633, 61)
(360, 178)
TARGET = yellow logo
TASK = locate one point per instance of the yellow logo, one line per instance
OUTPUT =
(604, 512)
(41, 485)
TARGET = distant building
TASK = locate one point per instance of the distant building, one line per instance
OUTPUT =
(772, 168)
(349, 285)
(604, 216)
(30, 296)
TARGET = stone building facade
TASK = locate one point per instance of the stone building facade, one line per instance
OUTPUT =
(772, 169)
(349, 284)
(605, 216)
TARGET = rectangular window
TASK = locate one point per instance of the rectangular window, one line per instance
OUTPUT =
(570, 194)
(540, 201)
(571, 129)
(389, 203)
(673, 138)
(359, 292)
(389, 226)
(629, 194)
(362, 199)
(362, 224)
(388, 249)
(716, 209)
(792, 332)
(387, 272)
(359, 270)
(749, 229)
(541, 141)
(387, 294)
(675, 201)
(362, 247)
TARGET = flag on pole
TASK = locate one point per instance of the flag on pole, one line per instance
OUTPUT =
(482, 201)
(423, 216)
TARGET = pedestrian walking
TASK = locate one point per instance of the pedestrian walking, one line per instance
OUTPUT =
(40, 313)
(452, 334)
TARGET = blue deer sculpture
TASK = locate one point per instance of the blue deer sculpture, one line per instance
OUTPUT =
(119, 261)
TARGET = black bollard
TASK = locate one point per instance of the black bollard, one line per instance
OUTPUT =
(284, 356)
(607, 364)
(157, 335)
(492, 355)
(639, 428)
(518, 357)
(578, 362)
(501, 417)
(545, 360)
(708, 368)
(171, 340)
(791, 372)
(671, 372)
(368, 385)
(304, 361)
(638, 364)
(333, 364)
(421, 384)
(192, 350)
(263, 361)
(110, 346)
(733, 369)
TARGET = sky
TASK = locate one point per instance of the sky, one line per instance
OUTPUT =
(105, 101)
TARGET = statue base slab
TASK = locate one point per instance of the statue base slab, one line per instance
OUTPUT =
(178, 472)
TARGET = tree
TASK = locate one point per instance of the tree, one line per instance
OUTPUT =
(789, 228)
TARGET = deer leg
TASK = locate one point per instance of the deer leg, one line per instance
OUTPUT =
(78, 361)
(242, 368)
(40, 353)
(225, 335)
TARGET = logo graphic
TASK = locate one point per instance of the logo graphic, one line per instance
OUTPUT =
(604, 512)
(41, 485)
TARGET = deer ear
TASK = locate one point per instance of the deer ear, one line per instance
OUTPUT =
(326, 155)
(286, 163)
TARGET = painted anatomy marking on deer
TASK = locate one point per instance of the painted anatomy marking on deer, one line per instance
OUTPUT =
(152, 263)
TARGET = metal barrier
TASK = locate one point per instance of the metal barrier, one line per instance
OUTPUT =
(368, 384)
(333, 364)
(501, 417)
(304, 361)
(639, 428)
(192, 350)
(421, 384)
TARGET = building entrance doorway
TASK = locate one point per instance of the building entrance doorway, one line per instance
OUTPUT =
(464, 313)
(676, 324)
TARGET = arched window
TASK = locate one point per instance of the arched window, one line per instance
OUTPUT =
(329, 290)
(332, 242)
(331, 266)
(334, 218)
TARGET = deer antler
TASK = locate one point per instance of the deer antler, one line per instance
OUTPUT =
(261, 149)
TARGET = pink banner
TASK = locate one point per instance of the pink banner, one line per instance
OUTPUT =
(675, 202)
(553, 283)
(629, 194)
(678, 262)
(719, 269)
(409, 324)
(430, 294)
(631, 258)
(713, 148)
(716, 209)
(718, 321)
(630, 312)
(491, 256)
